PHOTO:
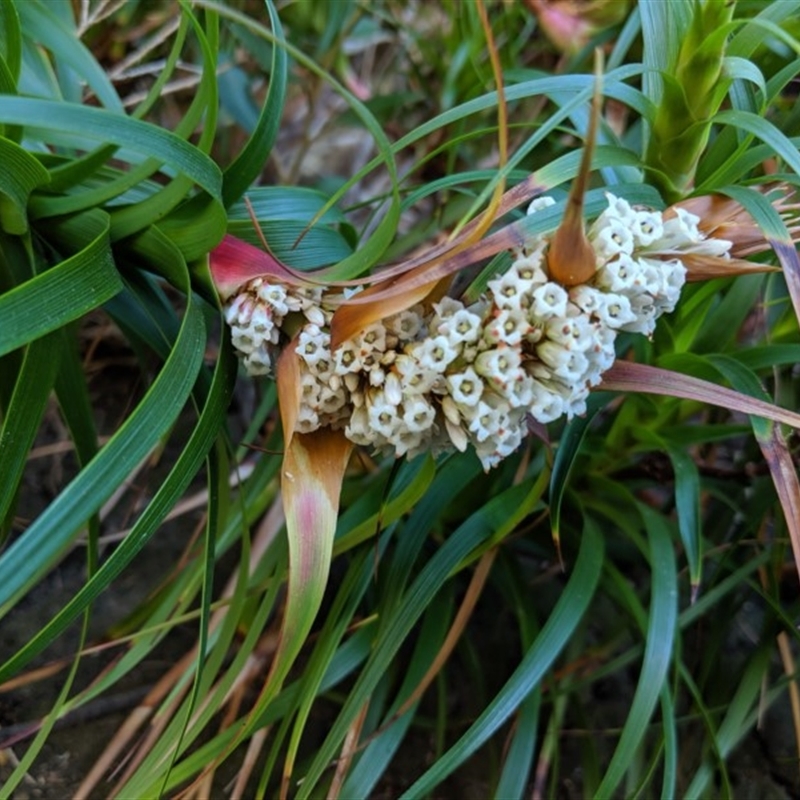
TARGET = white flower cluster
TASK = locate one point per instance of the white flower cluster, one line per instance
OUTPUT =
(453, 375)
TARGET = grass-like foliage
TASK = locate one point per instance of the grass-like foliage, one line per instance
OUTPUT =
(609, 610)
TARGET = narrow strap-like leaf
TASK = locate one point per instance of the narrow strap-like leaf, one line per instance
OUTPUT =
(558, 629)
(20, 175)
(65, 292)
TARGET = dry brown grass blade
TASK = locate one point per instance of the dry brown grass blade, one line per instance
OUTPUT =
(705, 268)
(721, 217)
(254, 748)
(35, 675)
(252, 671)
(523, 192)
(204, 787)
(488, 217)
(267, 530)
(784, 477)
(349, 749)
(789, 668)
(626, 376)
(411, 283)
(372, 304)
(790, 261)
(471, 596)
(124, 736)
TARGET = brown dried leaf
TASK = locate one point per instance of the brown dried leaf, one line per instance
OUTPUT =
(784, 477)
(626, 376)
(705, 268)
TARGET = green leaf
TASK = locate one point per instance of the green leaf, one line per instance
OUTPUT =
(51, 32)
(763, 130)
(10, 41)
(25, 561)
(20, 175)
(66, 291)
(247, 165)
(21, 419)
(663, 27)
(737, 721)
(491, 520)
(535, 664)
(519, 757)
(661, 628)
(52, 119)
(567, 453)
(687, 499)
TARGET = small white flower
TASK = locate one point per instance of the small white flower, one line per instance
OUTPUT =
(507, 327)
(433, 353)
(573, 333)
(485, 420)
(331, 401)
(307, 419)
(358, 429)
(458, 436)
(663, 280)
(261, 320)
(679, 232)
(352, 381)
(315, 315)
(612, 238)
(418, 414)
(576, 406)
(646, 312)
(647, 228)
(383, 415)
(274, 295)
(623, 274)
(520, 392)
(451, 410)
(346, 359)
(510, 442)
(529, 271)
(258, 362)
(618, 208)
(240, 310)
(371, 338)
(466, 387)
(569, 365)
(549, 300)
(377, 377)
(407, 325)
(547, 405)
(416, 379)
(509, 290)
(393, 389)
(616, 311)
(460, 327)
(310, 389)
(244, 340)
(500, 366)
(408, 443)
(313, 345)
(447, 307)
(587, 298)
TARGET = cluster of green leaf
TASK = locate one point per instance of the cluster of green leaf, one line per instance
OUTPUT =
(451, 648)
